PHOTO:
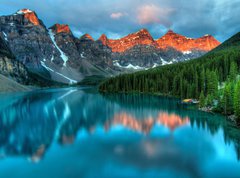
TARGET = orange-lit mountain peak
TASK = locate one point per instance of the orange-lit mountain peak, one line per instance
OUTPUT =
(24, 11)
(141, 37)
(206, 43)
(60, 28)
(87, 37)
(172, 121)
(103, 38)
(182, 43)
(30, 15)
(143, 31)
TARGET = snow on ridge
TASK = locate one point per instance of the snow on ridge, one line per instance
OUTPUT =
(129, 66)
(165, 62)
(24, 11)
(155, 65)
(5, 36)
(187, 52)
(71, 81)
(63, 55)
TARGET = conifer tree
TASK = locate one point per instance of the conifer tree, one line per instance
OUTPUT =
(233, 71)
(202, 100)
(237, 100)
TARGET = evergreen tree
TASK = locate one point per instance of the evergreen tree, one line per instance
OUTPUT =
(233, 71)
(237, 100)
(202, 100)
(227, 100)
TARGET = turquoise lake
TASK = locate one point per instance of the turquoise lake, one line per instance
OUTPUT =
(78, 133)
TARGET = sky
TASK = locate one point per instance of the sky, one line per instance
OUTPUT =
(117, 18)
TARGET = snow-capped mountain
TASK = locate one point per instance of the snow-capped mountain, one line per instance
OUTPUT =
(56, 54)
(140, 51)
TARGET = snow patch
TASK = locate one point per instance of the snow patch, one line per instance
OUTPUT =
(63, 55)
(129, 66)
(165, 62)
(44, 65)
(5, 36)
(71, 81)
(155, 65)
(82, 55)
(52, 58)
(187, 52)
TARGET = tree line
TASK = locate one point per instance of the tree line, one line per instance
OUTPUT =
(213, 79)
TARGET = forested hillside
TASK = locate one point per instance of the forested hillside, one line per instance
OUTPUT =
(202, 76)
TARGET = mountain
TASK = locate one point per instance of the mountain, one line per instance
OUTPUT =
(141, 37)
(140, 51)
(187, 79)
(56, 54)
(185, 44)
(52, 53)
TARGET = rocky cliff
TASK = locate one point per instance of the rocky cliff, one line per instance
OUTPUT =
(9, 66)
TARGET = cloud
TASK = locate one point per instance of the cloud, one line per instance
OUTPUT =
(118, 18)
(117, 15)
(151, 13)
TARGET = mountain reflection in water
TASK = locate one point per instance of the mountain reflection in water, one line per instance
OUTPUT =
(32, 122)
(171, 121)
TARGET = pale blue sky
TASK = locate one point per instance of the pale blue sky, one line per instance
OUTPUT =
(117, 18)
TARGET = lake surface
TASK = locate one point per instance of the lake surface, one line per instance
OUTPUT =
(80, 133)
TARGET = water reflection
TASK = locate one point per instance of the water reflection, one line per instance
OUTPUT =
(30, 123)
(171, 121)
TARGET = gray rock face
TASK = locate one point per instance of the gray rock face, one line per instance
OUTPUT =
(30, 43)
(45, 51)
(10, 67)
(84, 55)
(94, 51)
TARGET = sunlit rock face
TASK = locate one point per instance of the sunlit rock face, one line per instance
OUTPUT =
(141, 37)
(61, 28)
(30, 16)
(184, 44)
(141, 51)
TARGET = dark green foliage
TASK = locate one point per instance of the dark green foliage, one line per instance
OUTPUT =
(237, 100)
(93, 80)
(233, 71)
(201, 100)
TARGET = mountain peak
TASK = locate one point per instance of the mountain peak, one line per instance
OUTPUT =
(87, 37)
(170, 31)
(30, 15)
(24, 11)
(103, 38)
(143, 30)
(183, 44)
(60, 28)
